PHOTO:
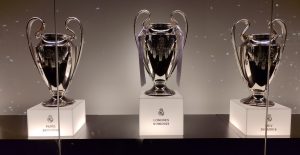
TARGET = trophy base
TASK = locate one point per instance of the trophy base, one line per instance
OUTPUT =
(161, 117)
(45, 123)
(63, 101)
(252, 101)
(160, 91)
(250, 121)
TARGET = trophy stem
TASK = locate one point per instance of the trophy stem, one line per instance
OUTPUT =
(257, 99)
(160, 89)
(63, 101)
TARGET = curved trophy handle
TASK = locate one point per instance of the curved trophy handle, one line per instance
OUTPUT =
(244, 38)
(174, 21)
(182, 44)
(38, 34)
(139, 46)
(283, 34)
(73, 36)
(141, 12)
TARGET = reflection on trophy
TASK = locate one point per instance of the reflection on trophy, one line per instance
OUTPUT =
(53, 50)
(256, 54)
(160, 47)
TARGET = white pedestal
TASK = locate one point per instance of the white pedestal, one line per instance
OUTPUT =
(250, 120)
(43, 121)
(161, 116)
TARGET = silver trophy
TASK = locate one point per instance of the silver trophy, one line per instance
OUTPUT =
(160, 47)
(253, 57)
(43, 51)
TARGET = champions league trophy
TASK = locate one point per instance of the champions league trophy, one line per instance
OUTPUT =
(252, 57)
(160, 47)
(44, 56)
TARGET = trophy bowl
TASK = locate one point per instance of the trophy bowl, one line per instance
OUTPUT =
(160, 48)
(56, 57)
(258, 58)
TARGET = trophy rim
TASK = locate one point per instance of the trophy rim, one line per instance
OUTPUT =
(160, 27)
(59, 39)
(263, 38)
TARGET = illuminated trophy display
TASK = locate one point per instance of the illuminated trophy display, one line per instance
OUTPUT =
(56, 57)
(160, 48)
(256, 64)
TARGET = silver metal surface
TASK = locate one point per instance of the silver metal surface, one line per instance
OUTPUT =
(43, 49)
(160, 47)
(252, 59)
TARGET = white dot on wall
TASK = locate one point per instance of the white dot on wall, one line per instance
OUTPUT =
(196, 36)
(227, 53)
(4, 25)
(17, 21)
(277, 5)
(11, 60)
(205, 37)
(238, 5)
(97, 8)
(211, 7)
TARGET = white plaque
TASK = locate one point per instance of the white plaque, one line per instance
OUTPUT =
(43, 121)
(250, 120)
(161, 116)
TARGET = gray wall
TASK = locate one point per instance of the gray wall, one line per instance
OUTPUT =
(108, 74)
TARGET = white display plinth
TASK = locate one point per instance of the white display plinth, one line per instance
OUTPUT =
(161, 116)
(250, 120)
(43, 121)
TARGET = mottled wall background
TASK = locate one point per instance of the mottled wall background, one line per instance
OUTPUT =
(108, 74)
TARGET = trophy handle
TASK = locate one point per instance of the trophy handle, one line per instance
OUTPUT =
(174, 21)
(38, 34)
(180, 50)
(283, 34)
(244, 38)
(73, 36)
(147, 20)
(140, 48)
